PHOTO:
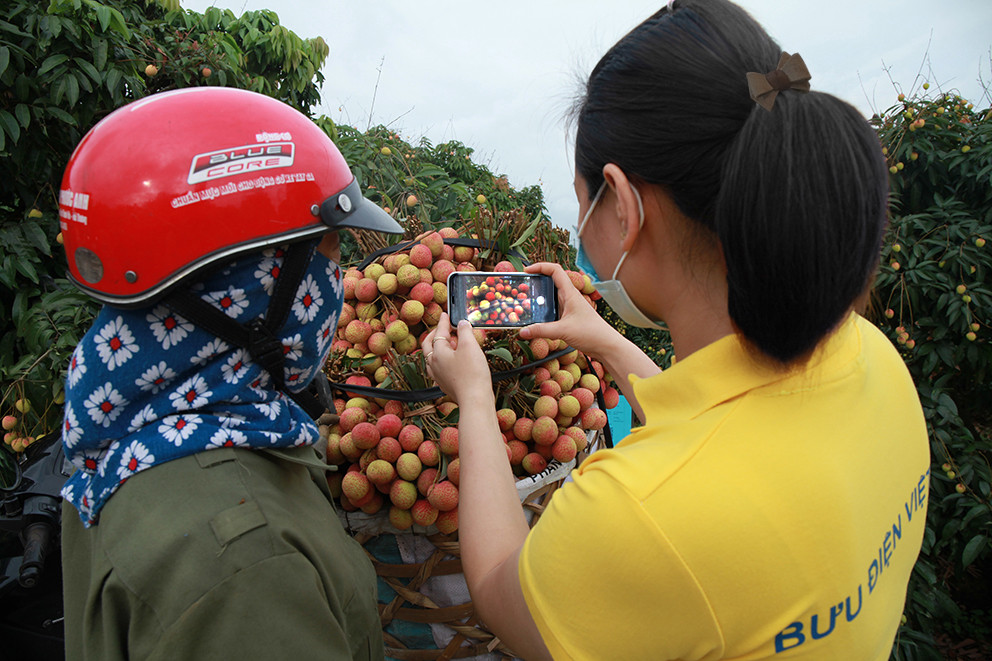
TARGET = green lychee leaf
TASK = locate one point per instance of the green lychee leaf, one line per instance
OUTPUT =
(502, 353)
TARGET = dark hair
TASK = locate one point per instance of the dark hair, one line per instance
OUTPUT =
(796, 195)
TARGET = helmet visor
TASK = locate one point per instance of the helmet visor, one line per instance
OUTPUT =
(349, 208)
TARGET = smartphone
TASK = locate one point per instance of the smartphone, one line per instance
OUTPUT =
(501, 300)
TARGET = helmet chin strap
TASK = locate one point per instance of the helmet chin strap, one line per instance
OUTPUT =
(259, 336)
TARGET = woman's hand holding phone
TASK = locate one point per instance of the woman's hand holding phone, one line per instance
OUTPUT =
(580, 325)
(456, 362)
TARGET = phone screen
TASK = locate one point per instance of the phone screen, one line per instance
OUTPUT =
(501, 300)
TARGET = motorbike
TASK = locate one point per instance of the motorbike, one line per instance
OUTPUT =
(31, 621)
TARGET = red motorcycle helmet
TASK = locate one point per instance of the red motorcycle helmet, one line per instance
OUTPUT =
(176, 182)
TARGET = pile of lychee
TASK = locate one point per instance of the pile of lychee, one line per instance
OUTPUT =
(403, 458)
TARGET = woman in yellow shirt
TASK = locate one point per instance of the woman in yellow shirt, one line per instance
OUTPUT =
(773, 503)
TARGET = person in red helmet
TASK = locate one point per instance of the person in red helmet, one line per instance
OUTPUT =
(198, 523)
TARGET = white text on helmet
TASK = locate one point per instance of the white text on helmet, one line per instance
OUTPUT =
(240, 160)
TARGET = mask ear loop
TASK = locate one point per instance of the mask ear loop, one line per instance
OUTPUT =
(585, 218)
(640, 226)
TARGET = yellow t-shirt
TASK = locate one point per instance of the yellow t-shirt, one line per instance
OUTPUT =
(757, 513)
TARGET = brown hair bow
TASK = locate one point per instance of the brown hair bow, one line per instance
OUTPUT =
(790, 74)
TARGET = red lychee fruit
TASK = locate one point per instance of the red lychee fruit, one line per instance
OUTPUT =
(347, 315)
(374, 503)
(541, 374)
(447, 522)
(429, 453)
(440, 293)
(420, 256)
(546, 406)
(441, 269)
(463, 254)
(423, 513)
(427, 477)
(506, 418)
(434, 242)
(389, 424)
(564, 449)
(518, 450)
(569, 406)
(564, 379)
(590, 382)
(579, 436)
(357, 331)
(412, 312)
(355, 486)
(544, 431)
(611, 397)
(408, 275)
(351, 417)
(379, 344)
(409, 466)
(422, 292)
(539, 348)
(403, 494)
(397, 331)
(443, 496)
(585, 396)
(455, 470)
(366, 290)
(374, 271)
(550, 388)
(448, 441)
(399, 518)
(534, 463)
(387, 284)
(593, 419)
(432, 314)
(368, 456)
(388, 449)
(410, 437)
(381, 471)
(365, 434)
(522, 428)
(348, 448)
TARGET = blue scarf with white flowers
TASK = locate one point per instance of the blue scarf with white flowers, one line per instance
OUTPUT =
(147, 386)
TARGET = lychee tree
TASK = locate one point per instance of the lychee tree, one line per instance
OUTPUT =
(932, 297)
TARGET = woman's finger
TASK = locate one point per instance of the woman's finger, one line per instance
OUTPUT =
(557, 273)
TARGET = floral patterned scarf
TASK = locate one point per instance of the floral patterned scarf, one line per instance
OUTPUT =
(146, 386)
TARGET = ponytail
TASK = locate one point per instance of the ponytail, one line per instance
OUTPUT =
(800, 215)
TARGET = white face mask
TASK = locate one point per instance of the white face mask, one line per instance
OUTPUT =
(613, 290)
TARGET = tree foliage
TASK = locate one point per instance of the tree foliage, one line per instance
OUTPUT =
(934, 301)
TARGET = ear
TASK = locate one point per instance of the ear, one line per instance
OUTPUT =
(628, 211)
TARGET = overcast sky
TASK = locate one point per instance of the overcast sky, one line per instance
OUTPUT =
(499, 76)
